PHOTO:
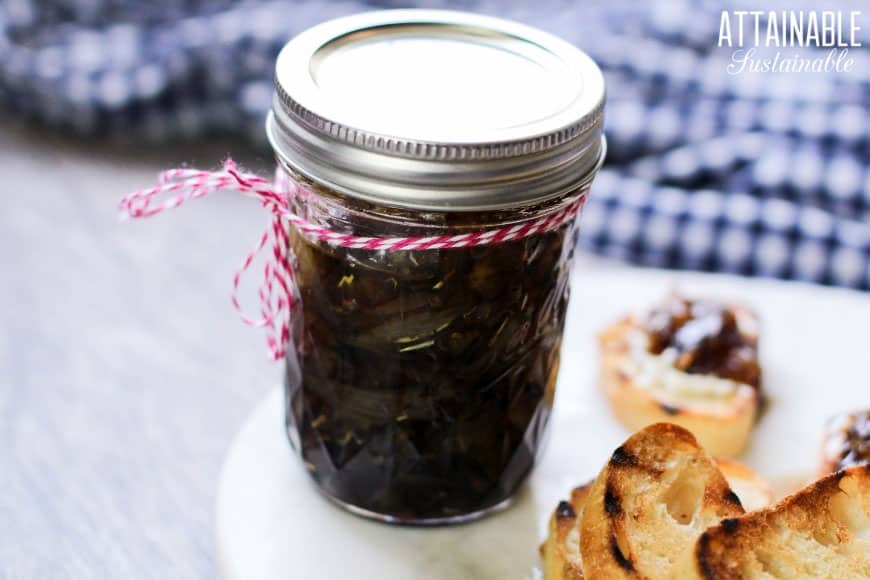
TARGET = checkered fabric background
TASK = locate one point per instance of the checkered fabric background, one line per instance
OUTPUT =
(757, 173)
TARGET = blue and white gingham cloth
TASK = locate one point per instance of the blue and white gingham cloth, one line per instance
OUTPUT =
(758, 173)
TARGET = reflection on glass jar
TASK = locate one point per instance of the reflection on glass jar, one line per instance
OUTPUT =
(420, 382)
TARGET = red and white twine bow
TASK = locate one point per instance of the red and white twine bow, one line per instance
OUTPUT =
(276, 295)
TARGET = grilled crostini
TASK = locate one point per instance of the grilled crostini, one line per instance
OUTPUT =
(846, 441)
(692, 363)
(655, 496)
(561, 551)
(820, 532)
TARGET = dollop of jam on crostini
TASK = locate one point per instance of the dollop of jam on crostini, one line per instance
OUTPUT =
(849, 442)
(709, 338)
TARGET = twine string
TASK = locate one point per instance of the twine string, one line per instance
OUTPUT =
(276, 291)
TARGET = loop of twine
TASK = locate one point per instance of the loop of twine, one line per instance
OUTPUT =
(276, 295)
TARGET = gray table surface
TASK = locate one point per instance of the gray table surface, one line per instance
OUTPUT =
(124, 372)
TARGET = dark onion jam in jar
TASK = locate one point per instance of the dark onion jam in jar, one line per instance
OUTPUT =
(420, 382)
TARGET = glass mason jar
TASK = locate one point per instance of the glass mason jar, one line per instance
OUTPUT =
(420, 382)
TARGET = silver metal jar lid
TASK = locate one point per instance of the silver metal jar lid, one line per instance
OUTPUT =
(437, 110)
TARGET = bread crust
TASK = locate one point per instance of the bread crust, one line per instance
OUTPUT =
(752, 489)
(721, 424)
(657, 493)
(561, 551)
(822, 531)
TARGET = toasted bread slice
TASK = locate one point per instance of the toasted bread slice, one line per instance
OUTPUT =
(753, 490)
(821, 532)
(846, 441)
(644, 388)
(658, 492)
(561, 551)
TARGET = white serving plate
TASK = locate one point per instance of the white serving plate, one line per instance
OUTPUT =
(273, 525)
